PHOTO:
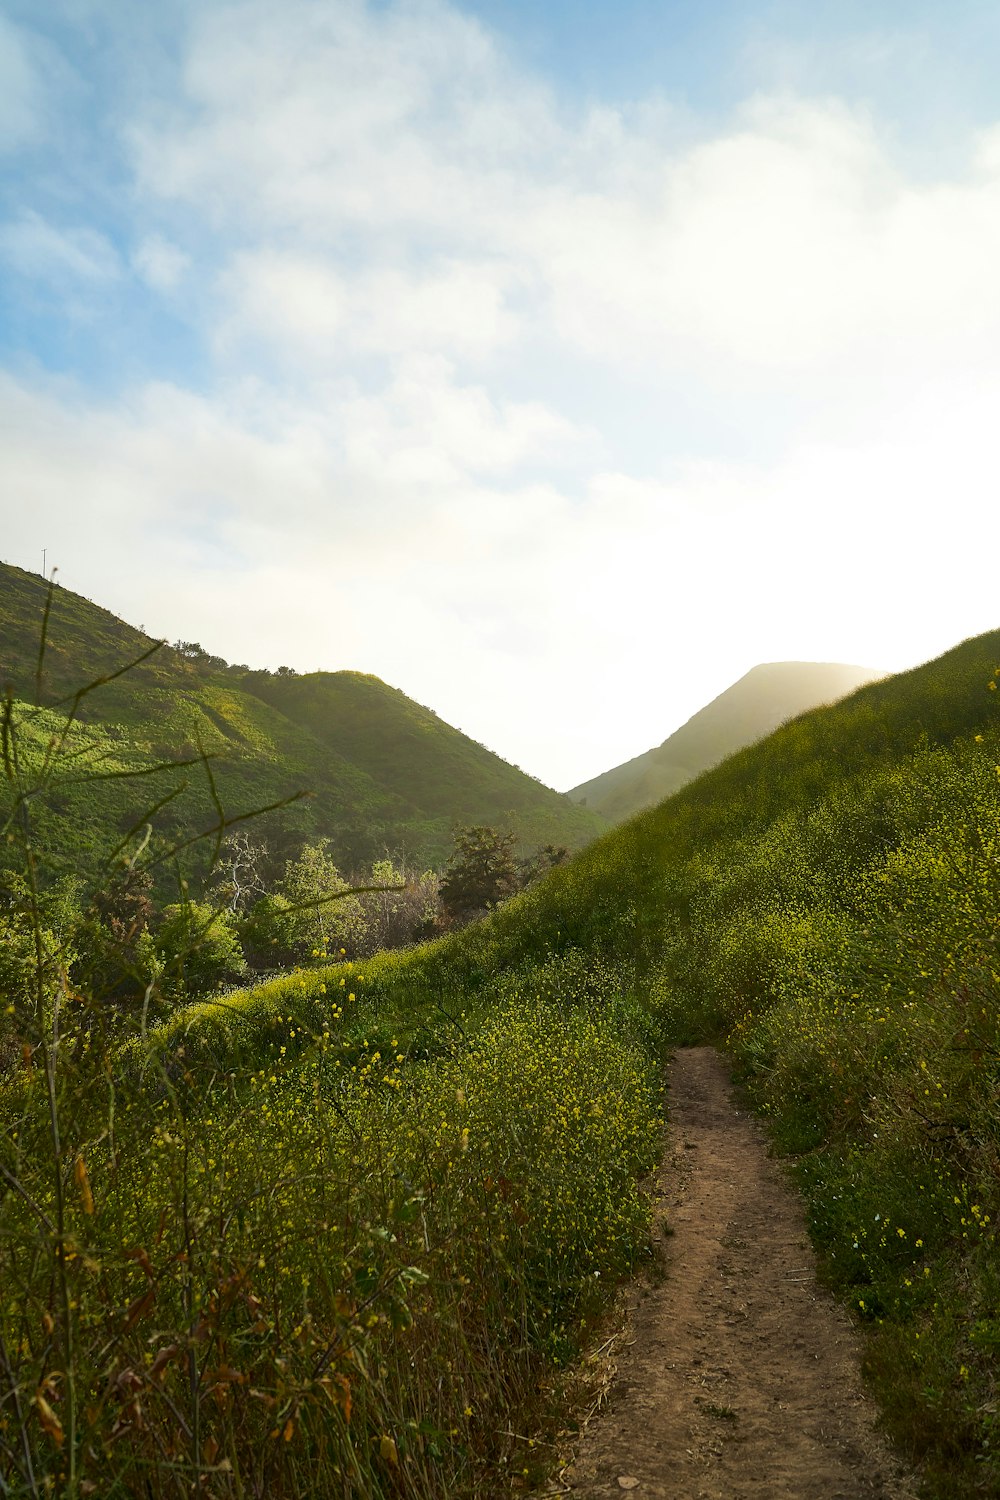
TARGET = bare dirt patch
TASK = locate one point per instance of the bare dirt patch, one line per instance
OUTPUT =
(739, 1376)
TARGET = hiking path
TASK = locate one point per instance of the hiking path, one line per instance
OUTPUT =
(738, 1376)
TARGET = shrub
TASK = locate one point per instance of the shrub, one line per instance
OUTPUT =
(198, 947)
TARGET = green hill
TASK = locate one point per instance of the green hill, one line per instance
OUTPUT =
(754, 706)
(824, 904)
(381, 772)
(416, 756)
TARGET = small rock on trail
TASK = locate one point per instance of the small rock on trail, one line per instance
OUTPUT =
(742, 1379)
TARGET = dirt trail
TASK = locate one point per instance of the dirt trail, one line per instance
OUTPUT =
(741, 1378)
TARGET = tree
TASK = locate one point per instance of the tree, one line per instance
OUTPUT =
(396, 917)
(198, 947)
(112, 938)
(195, 652)
(322, 917)
(240, 874)
(38, 938)
(542, 861)
(269, 933)
(481, 873)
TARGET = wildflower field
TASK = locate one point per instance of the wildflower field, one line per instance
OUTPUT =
(341, 1232)
(344, 1271)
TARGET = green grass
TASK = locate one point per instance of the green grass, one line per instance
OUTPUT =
(343, 1261)
(299, 1242)
(420, 758)
(825, 904)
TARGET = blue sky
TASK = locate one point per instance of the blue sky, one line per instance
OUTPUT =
(557, 362)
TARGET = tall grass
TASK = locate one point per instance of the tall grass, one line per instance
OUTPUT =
(827, 905)
(342, 1273)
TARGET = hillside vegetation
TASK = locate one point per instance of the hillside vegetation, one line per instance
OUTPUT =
(765, 697)
(383, 774)
(340, 1233)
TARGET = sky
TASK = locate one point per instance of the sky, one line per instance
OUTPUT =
(556, 361)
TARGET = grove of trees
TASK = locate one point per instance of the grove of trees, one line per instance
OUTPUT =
(256, 915)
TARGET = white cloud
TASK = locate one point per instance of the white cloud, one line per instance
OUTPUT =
(408, 188)
(320, 114)
(567, 627)
(37, 249)
(307, 306)
(21, 94)
(294, 299)
(788, 244)
(429, 430)
(457, 308)
(160, 263)
(421, 262)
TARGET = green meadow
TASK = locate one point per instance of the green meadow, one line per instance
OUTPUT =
(347, 1232)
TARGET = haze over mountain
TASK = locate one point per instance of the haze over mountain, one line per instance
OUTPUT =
(383, 773)
(747, 711)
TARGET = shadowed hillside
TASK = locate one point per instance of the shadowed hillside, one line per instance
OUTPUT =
(415, 755)
(744, 713)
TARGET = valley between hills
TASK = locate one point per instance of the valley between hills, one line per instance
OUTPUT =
(354, 1221)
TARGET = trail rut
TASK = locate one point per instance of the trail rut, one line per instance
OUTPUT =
(741, 1377)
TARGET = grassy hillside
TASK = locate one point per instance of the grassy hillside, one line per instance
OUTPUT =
(754, 706)
(825, 904)
(277, 1202)
(408, 750)
(381, 772)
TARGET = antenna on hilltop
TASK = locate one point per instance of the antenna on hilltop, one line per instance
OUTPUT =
(44, 555)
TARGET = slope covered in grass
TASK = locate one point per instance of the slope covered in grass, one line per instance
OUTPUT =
(414, 754)
(824, 903)
(342, 1231)
(827, 904)
(381, 772)
(754, 706)
(339, 1239)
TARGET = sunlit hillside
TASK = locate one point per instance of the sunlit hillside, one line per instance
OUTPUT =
(382, 773)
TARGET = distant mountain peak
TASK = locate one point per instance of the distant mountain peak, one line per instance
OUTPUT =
(750, 708)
